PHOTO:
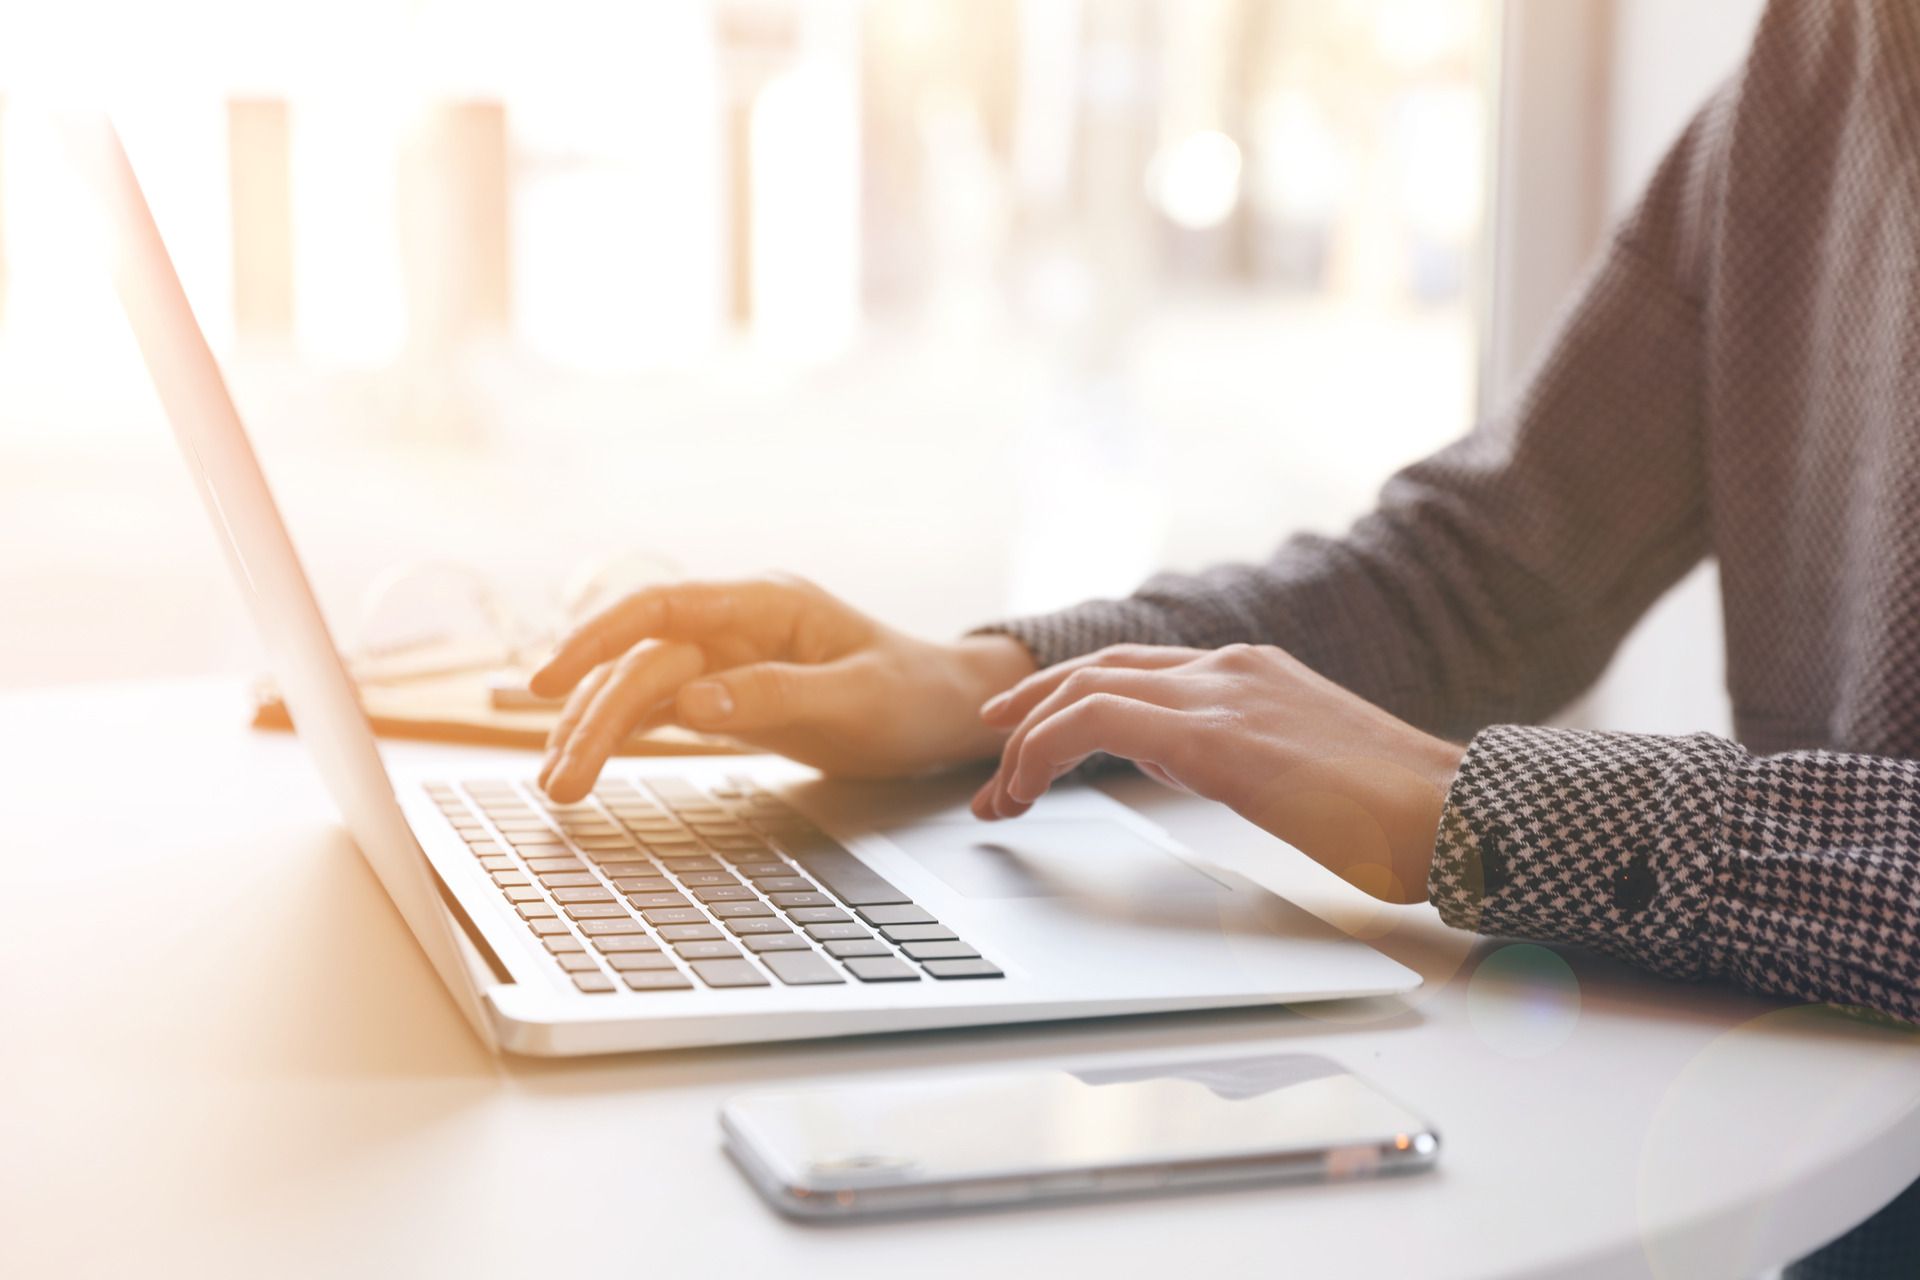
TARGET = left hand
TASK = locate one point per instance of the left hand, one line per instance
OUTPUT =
(1351, 786)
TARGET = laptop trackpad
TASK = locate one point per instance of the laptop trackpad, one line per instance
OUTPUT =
(1050, 858)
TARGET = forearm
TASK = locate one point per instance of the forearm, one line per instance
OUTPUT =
(1795, 875)
(1494, 579)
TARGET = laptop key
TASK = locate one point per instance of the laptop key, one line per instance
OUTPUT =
(776, 942)
(522, 893)
(756, 925)
(510, 879)
(908, 914)
(643, 884)
(560, 942)
(801, 900)
(568, 879)
(924, 951)
(593, 928)
(738, 910)
(705, 949)
(485, 849)
(784, 884)
(853, 948)
(605, 856)
(698, 878)
(845, 876)
(551, 928)
(612, 942)
(729, 973)
(534, 910)
(836, 932)
(623, 870)
(545, 866)
(881, 969)
(819, 915)
(595, 894)
(640, 961)
(651, 901)
(762, 870)
(801, 968)
(974, 968)
(673, 915)
(918, 933)
(657, 980)
(499, 864)
(595, 982)
(596, 911)
(691, 933)
(577, 962)
(724, 893)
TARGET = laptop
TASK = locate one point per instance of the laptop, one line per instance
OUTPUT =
(711, 901)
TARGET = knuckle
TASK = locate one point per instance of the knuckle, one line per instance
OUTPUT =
(1103, 708)
(1082, 682)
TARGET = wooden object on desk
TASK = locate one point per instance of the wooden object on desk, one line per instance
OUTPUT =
(455, 707)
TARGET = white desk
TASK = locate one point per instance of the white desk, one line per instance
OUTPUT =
(222, 1055)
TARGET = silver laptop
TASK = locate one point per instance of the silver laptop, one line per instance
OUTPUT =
(703, 901)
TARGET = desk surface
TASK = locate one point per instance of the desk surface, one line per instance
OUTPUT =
(223, 1054)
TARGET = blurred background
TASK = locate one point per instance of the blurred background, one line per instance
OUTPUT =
(960, 307)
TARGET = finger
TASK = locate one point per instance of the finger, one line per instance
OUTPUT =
(988, 808)
(645, 676)
(1143, 685)
(772, 695)
(681, 611)
(1138, 731)
(1018, 702)
(577, 703)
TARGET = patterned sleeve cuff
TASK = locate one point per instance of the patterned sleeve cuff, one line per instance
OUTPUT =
(1606, 840)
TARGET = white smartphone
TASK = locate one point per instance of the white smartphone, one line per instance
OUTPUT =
(1009, 1137)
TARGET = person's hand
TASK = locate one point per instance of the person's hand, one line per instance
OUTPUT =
(1331, 774)
(778, 664)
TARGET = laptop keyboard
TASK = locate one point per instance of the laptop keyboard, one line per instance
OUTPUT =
(665, 886)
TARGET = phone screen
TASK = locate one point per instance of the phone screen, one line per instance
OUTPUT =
(1043, 1128)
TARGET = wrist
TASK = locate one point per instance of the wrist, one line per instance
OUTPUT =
(985, 666)
(1436, 763)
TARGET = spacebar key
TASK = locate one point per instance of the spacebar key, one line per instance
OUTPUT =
(849, 879)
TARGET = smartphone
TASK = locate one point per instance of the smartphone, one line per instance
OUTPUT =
(905, 1145)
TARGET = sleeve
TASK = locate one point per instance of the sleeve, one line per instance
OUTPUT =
(1793, 875)
(1495, 579)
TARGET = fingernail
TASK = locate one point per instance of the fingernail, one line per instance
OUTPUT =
(993, 706)
(709, 701)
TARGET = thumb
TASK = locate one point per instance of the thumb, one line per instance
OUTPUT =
(765, 695)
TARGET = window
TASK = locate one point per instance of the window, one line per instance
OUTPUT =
(959, 306)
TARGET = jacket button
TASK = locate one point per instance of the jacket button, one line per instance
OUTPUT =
(1634, 885)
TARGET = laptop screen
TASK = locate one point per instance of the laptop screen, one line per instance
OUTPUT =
(319, 693)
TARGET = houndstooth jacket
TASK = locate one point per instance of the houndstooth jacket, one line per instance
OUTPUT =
(1739, 376)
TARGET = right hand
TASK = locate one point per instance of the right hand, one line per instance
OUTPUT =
(780, 665)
